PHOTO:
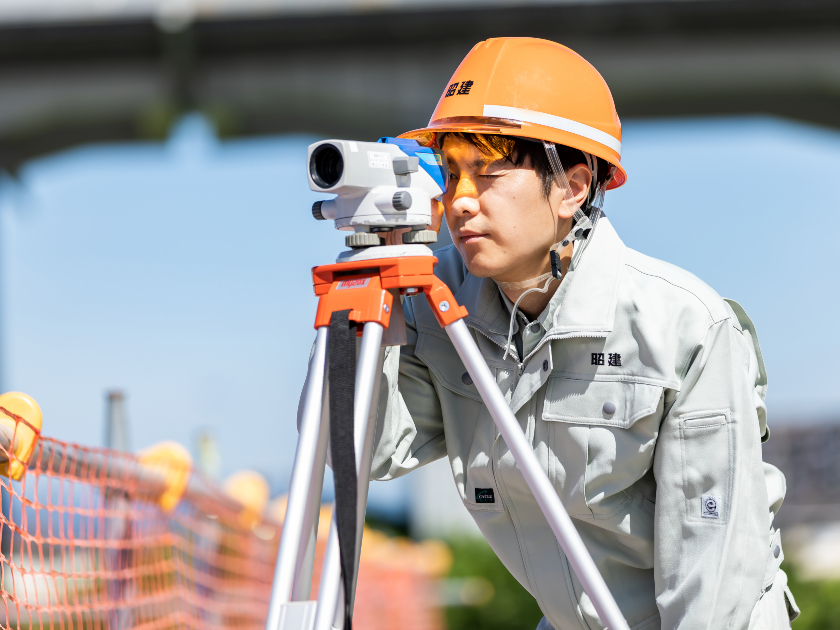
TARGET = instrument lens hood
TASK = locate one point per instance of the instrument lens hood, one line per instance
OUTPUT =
(326, 165)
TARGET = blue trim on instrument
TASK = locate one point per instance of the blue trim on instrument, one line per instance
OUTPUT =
(431, 160)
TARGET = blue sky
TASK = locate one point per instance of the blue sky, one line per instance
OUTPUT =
(179, 272)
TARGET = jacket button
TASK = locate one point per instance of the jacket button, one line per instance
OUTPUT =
(777, 551)
(535, 327)
(609, 408)
(466, 379)
(545, 365)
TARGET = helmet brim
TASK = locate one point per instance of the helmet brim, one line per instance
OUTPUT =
(428, 135)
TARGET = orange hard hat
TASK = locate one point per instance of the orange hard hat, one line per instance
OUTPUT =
(531, 88)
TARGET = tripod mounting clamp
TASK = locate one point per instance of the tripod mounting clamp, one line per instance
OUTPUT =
(365, 287)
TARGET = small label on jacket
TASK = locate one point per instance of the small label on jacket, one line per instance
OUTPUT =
(484, 495)
(710, 506)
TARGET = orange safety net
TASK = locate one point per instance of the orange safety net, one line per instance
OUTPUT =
(86, 542)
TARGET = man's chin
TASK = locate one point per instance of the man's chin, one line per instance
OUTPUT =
(480, 262)
(479, 270)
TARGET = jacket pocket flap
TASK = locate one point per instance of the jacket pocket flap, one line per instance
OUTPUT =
(605, 403)
(443, 361)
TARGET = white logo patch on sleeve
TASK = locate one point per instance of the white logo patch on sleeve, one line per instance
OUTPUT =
(710, 506)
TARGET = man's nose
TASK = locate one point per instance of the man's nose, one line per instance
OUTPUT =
(465, 199)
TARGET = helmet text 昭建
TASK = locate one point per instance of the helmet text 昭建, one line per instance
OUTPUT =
(454, 90)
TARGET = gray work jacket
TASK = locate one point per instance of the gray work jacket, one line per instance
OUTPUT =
(644, 403)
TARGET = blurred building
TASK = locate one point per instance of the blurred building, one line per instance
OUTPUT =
(810, 515)
(809, 456)
(116, 424)
(77, 71)
(208, 454)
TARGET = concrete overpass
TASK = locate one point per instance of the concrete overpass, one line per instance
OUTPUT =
(352, 71)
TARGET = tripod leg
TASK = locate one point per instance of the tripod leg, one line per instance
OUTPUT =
(300, 487)
(536, 478)
(302, 587)
(367, 375)
(330, 599)
(366, 460)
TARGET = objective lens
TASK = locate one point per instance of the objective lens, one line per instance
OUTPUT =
(326, 165)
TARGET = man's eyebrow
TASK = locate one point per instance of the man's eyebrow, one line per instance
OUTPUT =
(487, 162)
(482, 162)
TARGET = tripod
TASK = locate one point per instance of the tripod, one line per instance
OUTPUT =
(364, 288)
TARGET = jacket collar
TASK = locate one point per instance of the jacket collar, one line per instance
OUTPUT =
(589, 303)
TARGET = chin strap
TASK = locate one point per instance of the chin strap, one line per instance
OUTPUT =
(524, 284)
(549, 280)
(580, 232)
(583, 226)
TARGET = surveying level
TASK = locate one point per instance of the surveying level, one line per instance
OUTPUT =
(362, 291)
(381, 186)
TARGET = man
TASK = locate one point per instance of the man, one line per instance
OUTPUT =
(640, 389)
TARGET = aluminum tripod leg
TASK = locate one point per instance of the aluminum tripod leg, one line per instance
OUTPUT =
(536, 478)
(330, 593)
(366, 461)
(302, 587)
(330, 599)
(300, 487)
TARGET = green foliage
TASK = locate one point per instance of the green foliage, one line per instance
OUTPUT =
(513, 608)
(510, 608)
(818, 601)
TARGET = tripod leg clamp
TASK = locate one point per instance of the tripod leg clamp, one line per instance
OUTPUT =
(443, 303)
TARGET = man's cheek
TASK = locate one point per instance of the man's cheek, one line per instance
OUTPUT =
(451, 221)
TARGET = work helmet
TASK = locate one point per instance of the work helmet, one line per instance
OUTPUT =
(530, 88)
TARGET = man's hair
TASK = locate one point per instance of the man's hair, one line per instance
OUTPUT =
(519, 151)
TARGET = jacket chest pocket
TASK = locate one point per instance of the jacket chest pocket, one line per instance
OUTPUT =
(601, 440)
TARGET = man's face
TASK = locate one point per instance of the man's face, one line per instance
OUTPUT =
(498, 216)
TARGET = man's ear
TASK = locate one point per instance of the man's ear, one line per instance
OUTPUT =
(580, 179)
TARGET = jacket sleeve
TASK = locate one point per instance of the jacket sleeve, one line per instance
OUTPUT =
(409, 428)
(711, 528)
